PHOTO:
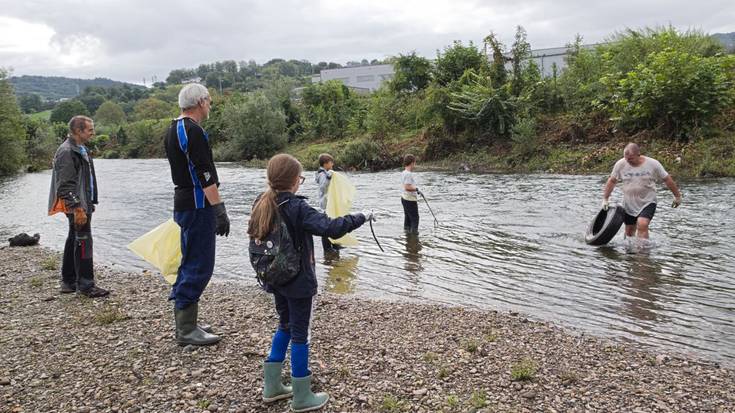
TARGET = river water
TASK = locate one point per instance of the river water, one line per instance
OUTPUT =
(505, 242)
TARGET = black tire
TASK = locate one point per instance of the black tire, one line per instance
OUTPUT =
(605, 226)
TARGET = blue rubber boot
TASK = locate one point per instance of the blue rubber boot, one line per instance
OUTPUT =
(273, 389)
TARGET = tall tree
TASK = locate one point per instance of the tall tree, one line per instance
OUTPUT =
(109, 114)
(12, 132)
(64, 111)
(412, 73)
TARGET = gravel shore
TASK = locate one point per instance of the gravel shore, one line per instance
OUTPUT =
(67, 353)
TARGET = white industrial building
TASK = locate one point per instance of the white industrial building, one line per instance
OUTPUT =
(360, 78)
(545, 59)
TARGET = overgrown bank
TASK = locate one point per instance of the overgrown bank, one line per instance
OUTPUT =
(564, 148)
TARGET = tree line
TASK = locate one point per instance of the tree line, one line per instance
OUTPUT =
(679, 85)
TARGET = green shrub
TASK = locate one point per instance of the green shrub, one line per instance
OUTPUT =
(523, 371)
(326, 109)
(12, 133)
(524, 137)
(675, 91)
(489, 109)
(363, 154)
(145, 138)
(253, 128)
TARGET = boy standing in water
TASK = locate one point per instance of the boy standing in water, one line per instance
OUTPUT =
(322, 178)
(409, 198)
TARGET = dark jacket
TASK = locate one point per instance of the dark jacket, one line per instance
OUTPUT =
(306, 221)
(73, 180)
(192, 164)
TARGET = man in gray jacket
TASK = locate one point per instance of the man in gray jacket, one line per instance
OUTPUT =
(74, 193)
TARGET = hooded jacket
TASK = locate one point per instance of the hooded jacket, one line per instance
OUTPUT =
(73, 180)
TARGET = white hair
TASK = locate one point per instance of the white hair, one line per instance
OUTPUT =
(191, 95)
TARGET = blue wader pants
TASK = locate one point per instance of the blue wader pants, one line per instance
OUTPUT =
(197, 255)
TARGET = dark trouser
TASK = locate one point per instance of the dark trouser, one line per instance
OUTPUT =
(197, 255)
(410, 216)
(294, 316)
(77, 268)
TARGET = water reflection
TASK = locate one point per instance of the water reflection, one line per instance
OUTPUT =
(646, 283)
(341, 274)
(412, 254)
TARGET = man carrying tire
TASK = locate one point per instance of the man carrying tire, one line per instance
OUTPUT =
(639, 175)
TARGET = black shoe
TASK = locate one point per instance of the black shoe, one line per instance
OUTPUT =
(95, 292)
(68, 288)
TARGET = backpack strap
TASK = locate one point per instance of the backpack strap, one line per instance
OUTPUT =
(291, 229)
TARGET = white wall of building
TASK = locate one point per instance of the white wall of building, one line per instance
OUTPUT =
(359, 77)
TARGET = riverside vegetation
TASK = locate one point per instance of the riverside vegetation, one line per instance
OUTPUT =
(482, 108)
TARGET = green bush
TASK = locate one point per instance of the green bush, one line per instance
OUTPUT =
(41, 145)
(64, 111)
(455, 60)
(363, 154)
(12, 133)
(412, 73)
(326, 109)
(109, 114)
(253, 128)
(674, 90)
(524, 137)
(145, 138)
(488, 109)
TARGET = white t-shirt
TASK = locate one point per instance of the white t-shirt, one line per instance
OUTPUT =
(408, 178)
(639, 183)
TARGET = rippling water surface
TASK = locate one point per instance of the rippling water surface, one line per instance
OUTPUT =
(507, 242)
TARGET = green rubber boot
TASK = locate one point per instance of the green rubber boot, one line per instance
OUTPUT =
(187, 331)
(303, 399)
(273, 389)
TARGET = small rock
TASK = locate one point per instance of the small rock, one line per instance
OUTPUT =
(189, 348)
(531, 394)
(4, 381)
(420, 392)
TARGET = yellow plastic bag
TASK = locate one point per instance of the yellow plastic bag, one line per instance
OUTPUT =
(340, 195)
(161, 247)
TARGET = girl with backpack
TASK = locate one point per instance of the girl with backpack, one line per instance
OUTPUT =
(294, 299)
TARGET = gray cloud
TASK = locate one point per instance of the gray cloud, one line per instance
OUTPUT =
(129, 40)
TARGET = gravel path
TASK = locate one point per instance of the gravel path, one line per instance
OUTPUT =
(68, 353)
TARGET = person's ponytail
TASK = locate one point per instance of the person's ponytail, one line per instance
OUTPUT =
(283, 171)
(263, 215)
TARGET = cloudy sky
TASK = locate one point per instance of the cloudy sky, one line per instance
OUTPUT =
(134, 39)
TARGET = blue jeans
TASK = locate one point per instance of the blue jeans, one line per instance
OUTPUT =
(197, 255)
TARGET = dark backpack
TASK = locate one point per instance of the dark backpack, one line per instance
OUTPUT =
(276, 259)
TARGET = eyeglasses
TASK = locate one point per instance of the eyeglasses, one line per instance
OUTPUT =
(302, 179)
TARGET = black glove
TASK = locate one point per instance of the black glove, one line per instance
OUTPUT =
(223, 221)
(417, 191)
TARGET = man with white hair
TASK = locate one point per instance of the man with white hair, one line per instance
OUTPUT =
(639, 175)
(198, 210)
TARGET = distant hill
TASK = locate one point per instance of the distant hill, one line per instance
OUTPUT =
(727, 40)
(56, 88)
